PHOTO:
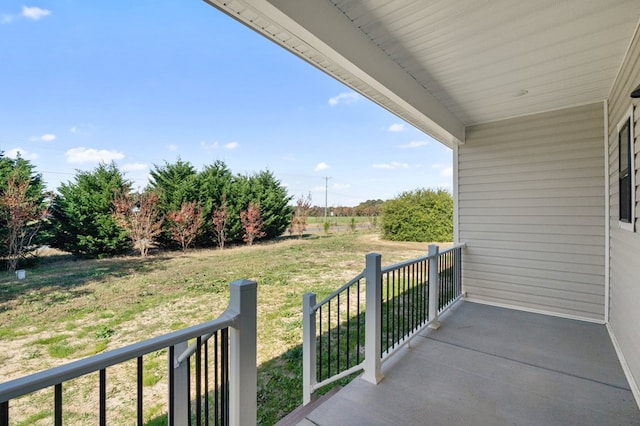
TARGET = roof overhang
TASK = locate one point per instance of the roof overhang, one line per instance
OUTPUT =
(444, 64)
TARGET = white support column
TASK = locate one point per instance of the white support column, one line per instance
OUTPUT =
(180, 385)
(243, 380)
(373, 317)
(309, 379)
(434, 287)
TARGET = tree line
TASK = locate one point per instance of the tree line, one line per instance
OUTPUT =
(98, 214)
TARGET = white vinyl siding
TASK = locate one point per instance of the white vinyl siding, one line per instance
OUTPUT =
(624, 300)
(531, 193)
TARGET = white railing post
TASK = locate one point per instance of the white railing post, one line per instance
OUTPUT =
(243, 380)
(180, 386)
(434, 286)
(373, 319)
(309, 378)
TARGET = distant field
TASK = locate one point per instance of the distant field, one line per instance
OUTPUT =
(68, 309)
(342, 223)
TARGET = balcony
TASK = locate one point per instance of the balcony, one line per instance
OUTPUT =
(428, 357)
(490, 366)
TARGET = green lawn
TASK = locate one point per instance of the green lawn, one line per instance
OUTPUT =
(68, 309)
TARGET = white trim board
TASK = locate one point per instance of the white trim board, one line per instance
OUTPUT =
(534, 311)
(635, 388)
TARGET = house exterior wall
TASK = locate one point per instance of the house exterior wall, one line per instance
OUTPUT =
(531, 194)
(624, 301)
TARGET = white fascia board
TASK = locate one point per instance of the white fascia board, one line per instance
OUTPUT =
(322, 27)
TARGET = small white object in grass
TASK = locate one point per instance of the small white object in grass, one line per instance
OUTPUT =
(21, 274)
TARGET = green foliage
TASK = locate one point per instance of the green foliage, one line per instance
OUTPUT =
(174, 183)
(368, 208)
(261, 188)
(216, 184)
(213, 187)
(423, 215)
(82, 214)
(23, 170)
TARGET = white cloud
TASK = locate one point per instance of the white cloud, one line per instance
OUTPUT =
(321, 166)
(391, 166)
(90, 155)
(289, 157)
(396, 127)
(47, 137)
(414, 144)
(447, 172)
(133, 167)
(34, 12)
(13, 153)
(438, 166)
(73, 129)
(209, 146)
(172, 147)
(346, 97)
(232, 145)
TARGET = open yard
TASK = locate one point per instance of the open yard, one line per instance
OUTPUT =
(67, 309)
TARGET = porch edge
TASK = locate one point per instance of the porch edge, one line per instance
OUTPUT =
(535, 311)
(635, 388)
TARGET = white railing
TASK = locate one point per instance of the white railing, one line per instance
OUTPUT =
(359, 326)
(232, 387)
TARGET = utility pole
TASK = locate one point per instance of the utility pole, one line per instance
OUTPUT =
(326, 192)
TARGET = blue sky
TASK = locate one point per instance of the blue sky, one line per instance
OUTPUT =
(144, 82)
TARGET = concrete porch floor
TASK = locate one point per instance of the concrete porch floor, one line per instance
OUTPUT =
(493, 366)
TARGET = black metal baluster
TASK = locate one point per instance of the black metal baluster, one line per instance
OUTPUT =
(4, 413)
(385, 344)
(216, 372)
(139, 385)
(414, 298)
(172, 378)
(320, 309)
(358, 329)
(348, 324)
(224, 379)
(206, 382)
(329, 338)
(103, 397)
(403, 303)
(338, 335)
(199, 380)
(57, 405)
(188, 395)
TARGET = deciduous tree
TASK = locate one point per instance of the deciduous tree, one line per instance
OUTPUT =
(185, 224)
(252, 223)
(220, 224)
(138, 215)
(299, 219)
(22, 217)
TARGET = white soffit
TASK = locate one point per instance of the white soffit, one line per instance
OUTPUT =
(445, 64)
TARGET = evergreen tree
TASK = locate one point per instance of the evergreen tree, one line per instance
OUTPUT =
(262, 188)
(83, 213)
(214, 191)
(175, 184)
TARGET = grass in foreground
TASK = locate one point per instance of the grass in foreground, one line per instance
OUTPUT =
(68, 309)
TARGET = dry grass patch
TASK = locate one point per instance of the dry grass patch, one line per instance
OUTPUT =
(68, 308)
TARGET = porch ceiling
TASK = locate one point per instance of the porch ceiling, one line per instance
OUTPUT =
(446, 64)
